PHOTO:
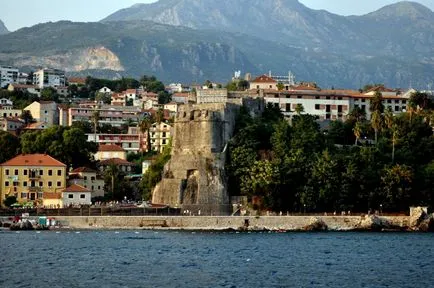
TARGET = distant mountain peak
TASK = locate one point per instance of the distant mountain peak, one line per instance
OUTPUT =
(3, 29)
(407, 9)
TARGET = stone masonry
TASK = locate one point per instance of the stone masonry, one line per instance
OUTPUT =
(194, 178)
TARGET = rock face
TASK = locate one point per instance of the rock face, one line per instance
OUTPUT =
(372, 223)
(194, 178)
(316, 224)
(3, 29)
(416, 217)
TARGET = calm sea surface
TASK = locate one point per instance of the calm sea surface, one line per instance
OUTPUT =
(186, 259)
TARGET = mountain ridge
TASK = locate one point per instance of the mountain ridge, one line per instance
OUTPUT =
(3, 29)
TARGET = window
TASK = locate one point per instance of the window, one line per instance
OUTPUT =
(16, 172)
(328, 116)
(41, 172)
(92, 178)
(363, 107)
(404, 108)
(317, 97)
(7, 172)
(389, 101)
(82, 196)
(328, 97)
(396, 108)
(25, 184)
(317, 107)
(6, 183)
(70, 196)
(50, 184)
(257, 86)
(59, 183)
(59, 172)
(340, 98)
(40, 195)
(41, 184)
(339, 108)
(363, 100)
(23, 195)
(99, 187)
(25, 172)
(288, 107)
(396, 101)
(85, 178)
(404, 101)
(271, 86)
(299, 97)
(50, 172)
(164, 142)
(92, 188)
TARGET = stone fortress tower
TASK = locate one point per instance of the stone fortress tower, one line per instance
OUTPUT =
(194, 178)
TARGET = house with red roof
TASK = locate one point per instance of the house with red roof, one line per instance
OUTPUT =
(89, 179)
(109, 151)
(263, 82)
(37, 178)
(76, 195)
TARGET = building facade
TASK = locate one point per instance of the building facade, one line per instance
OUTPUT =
(159, 135)
(89, 179)
(49, 78)
(110, 151)
(33, 178)
(8, 75)
(112, 115)
(211, 96)
(44, 112)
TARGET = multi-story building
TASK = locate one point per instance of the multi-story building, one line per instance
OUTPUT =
(76, 195)
(159, 134)
(263, 82)
(49, 78)
(6, 102)
(37, 178)
(8, 75)
(133, 142)
(89, 179)
(9, 111)
(330, 104)
(44, 112)
(211, 96)
(112, 115)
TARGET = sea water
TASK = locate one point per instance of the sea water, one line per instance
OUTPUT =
(206, 259)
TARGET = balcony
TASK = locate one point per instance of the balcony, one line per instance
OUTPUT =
(35, 189)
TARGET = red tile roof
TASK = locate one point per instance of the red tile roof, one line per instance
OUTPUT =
(33, 160)
(130, 91)
(83, 170)
(110, 148)
(74, 188)
(116, 161)
(264, 79)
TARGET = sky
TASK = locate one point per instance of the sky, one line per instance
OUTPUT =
(32, 12)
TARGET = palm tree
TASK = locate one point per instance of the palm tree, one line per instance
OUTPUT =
(376, 123)
(112, 172)
(376, 103)
(357, 131)
(95, 120)
(299, 109)
(388, 118)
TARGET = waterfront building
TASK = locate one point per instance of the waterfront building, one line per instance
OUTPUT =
(49, 78)
(89, 179)
(37, 178)
(76, 195)
(45, 112)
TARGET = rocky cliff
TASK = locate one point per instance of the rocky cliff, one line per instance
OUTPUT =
(3, 29)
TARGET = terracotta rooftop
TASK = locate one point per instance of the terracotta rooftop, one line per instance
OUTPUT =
(264, 79)
(36, 126)
(116, 161)
(185, 95)
(74, 188)
(130, 91)
(110, 148)
(33, 160)
(83, 170)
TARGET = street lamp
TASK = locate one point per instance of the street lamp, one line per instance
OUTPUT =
(304, 208)
(381, 209)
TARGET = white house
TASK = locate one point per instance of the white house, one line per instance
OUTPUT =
(105, 90)
(76, 195)
(6, 102)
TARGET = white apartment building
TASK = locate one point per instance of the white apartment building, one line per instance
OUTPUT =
(160, 134)
(8, 75)
(332, 104)
(49, 78)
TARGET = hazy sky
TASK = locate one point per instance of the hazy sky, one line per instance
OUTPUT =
(32, 12)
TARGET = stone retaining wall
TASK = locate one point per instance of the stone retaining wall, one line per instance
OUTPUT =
(339, 223)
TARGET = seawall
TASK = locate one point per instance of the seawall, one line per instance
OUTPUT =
(289, 223)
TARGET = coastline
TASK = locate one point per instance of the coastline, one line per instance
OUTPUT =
(248, 223)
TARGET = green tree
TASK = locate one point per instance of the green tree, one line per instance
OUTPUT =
(9, 201)
(280, 86)
(396, 182)
(357, 131)
(27, 116)
(376, 123)
(49, 94)
(376, 103)
(9, 146)
(299, 109)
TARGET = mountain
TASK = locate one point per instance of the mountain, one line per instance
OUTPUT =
(196, 40)
(3, 29)
(292, 23)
